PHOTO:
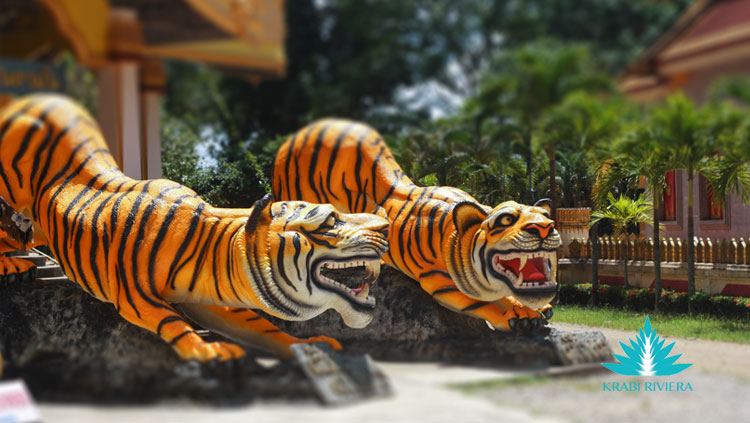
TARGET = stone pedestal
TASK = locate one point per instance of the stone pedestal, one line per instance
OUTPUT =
(410, 326)
(70, 347)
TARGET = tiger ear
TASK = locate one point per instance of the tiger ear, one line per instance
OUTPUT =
(544, 203)
(261, 211)
(467, 214)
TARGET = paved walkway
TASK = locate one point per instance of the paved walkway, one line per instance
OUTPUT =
(720, 378)
(421, 396)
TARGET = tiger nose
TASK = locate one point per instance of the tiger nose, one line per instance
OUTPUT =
(542, 231)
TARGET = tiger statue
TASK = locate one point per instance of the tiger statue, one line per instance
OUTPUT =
(158, 252)
(495, 264)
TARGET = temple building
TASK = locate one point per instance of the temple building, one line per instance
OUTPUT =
(123, 42)
(710, 40)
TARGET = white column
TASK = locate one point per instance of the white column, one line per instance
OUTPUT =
(119, 114)
(152, 133)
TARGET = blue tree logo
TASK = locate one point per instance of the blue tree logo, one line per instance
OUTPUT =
(647, 356)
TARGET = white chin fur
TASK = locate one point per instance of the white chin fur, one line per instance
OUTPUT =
(356, 320)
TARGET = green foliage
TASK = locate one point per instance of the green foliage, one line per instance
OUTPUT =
(226, 183)
(350, 58)
(641, 299)
(80, 83)
(729, 172)
(624, 212)
(702, 326)
(732, 88)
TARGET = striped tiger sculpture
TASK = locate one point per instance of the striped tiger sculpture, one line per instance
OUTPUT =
(158, 252)
(495, 264)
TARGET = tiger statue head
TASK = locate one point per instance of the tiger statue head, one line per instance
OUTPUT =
(508, 251)
(304, 258)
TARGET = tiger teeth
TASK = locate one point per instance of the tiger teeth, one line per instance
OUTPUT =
(365, 291)
(523, 262)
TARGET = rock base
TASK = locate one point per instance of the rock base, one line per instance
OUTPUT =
(68, 346)
(408, 325)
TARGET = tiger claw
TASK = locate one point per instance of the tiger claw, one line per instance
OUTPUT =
(512, 324)
(548, 313)
(535, 323)
(523, 324)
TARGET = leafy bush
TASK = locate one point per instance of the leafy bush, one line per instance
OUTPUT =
(641, 299)
(235, 182)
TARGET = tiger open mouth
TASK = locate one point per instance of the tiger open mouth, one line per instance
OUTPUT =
(532, 272)
(351, 277)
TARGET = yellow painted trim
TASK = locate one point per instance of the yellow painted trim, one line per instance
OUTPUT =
(84, 23)
(726, 35)
(228, 52)
(634, 82)
(243, 19)
(709, 59)
(217, 12)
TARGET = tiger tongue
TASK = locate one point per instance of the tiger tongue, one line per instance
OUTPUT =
(534, 270)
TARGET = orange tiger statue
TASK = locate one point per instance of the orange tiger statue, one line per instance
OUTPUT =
(495, 264)
(158, 252)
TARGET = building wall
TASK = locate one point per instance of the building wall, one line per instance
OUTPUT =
(711, 278)
(736, 222)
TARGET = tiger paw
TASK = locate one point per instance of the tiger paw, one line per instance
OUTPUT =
(518, 317)
(13, 269)
(336, 345)
(547, 312)
(207, 351)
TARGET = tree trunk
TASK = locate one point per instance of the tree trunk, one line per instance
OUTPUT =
(530, 171)
(691, 244)
(625, 263)
(552, 179)
(594, 237)
(657, 253)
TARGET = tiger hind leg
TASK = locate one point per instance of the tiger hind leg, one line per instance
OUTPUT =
(159, 317)
(248, 328)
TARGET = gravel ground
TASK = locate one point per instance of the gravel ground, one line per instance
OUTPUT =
(720, 378)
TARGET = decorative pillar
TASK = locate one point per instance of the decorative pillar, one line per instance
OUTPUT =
(119, 89)
(152, 90)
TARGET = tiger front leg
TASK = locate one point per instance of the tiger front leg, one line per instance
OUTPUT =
(529, 318)
(445, 292)
(14, 269)
(160, 318)
(247, 327)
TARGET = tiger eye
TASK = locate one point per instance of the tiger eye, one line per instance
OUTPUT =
(506, 220)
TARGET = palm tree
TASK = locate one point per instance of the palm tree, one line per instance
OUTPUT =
(693, 139)
(590, 125)
(434, 152)
(624, 212)
(639, 153)
(525, 82)
(731, 172)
